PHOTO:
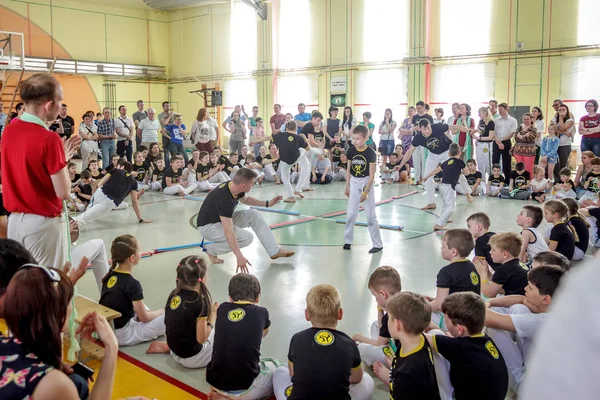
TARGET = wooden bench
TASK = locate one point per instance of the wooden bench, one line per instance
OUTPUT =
(84, 306)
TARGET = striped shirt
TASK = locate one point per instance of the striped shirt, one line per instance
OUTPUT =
(149, 130)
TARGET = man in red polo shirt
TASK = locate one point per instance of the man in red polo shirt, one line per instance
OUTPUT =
(35, 179)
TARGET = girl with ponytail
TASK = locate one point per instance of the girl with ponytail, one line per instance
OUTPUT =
(123, 293)
(581, 227)
(562, 236)
(190, 317)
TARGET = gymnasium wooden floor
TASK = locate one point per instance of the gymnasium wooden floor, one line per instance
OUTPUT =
(414, 252)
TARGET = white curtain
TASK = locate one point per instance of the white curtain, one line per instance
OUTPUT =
(294, 89)
(385, 29)
(465, 26)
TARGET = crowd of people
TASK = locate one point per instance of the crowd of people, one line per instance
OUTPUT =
(473, 337)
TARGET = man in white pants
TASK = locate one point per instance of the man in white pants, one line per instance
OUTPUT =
(219, 223)
(437, 139)
(35, 178)
(112, 190)
(292, 151)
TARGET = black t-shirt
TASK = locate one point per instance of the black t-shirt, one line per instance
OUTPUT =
(67, 123)
(391, 166)
(416, 118)
(236, 349)
(496, 181)
(383, 330)
(583, 233)
(335, 154)
(203, 170)
(472, 178)
(258, 159)
(99, 174)
(477, 369)
(343, 165)
(452, 169)
(85, 189)
(595, 213)
(159, 174)
(459, 276)
(119, 185)
(594, 185)
(482, 249)
(219, 203)
(519, 179)
(512, 275)
(75, 178)
(484, 130)
(275, 164)
(182, 311)
(289, 145)
(174, 175)
(360, 161)
(334, 351)
(119, 291)
(141, 170)
(437, 142)
(412, 376)
(566, 242)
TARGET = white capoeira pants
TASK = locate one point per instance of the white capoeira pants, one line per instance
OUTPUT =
(138, 332)
(433, 161)
(173, 189)
(100, 205)
(262, 386)
(420, 163)
(371, 354)
(356, 187)
(219, 177)
(285, 170)
(442, 371)
(203, 186)
(45, 238)
(305, 163)
(340, 175)
(95, 251)
(484, 159)
(270, 172)
(241, 219)
(358, 391)
(449, 203)
(201, 359)
(394, 176)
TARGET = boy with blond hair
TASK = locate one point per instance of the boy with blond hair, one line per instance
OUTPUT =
(383, 284)
(511, 276)
(479, 226)
(322, 345)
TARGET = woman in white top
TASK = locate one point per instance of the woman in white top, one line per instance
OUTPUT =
(439, 113)
(566, 129)
(540, 126)
(386, 132)
(89, 140)
(348, 124)
(201, 132)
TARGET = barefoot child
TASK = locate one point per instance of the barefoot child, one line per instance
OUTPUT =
(518, 186)
(392, 172)
(123, 293)
(474, 178)
(171, 179)
(190, 317)
(529, 219)
(216, 174)
(322, 345)
(452, 168)
(539, 184)
(201, 175)
(359, 187)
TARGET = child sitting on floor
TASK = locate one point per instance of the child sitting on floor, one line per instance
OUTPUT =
(514, 326)
(384, 282)
(458, 276)
(321, 169)
(511, 276)
(236, 370)
(474, 178)
(592, 182)
(518, 186)
(539, 184)
(529, 219)
(172, 182)
(341, 167)
(392, 171)
(479, 226)
(255, 166)
(592, 216)
(562, 235)
(158, 173)
(580, 226)
(81, 194)
(322, 345)
(123, 293)
(565, 188)
(190, 317)
(495, 182)
(471, 362)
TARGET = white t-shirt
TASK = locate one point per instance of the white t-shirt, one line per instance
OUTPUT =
(540, 126)
(527, 326)
(200, 132)
(564, 140)
(538, 186)
(149, 130)
(121, 128)
(212, 124)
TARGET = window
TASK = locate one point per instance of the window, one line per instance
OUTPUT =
(294, 89)
(377, 90)
(292, 40)
(464, 83)
(243, 38)
(588, 29)
(386, 29)
(465, 27)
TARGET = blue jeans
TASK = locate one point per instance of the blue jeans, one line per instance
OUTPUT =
(591, 144)
(386, 147)
(175, 148)
(108, 149)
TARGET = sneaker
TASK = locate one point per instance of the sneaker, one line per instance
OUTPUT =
(347, 246)
(375, 250)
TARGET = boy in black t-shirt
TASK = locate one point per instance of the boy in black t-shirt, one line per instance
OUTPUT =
(511, 276)
(592, 182)
(236, 367)
(453, 178)
(97, 172)
(474, 178)
(340, 375)
(198, 178)
(81, 193)
(392, 172)
(412, 376)
(495, 182)
(479, 226)
(359, 187)
(341, 167)
(518, 186)
(384, 282)
(158, 173)
(471, 360)
(140, 171)
(458, 276)
(171, 182)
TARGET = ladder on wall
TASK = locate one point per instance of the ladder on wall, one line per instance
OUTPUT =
(12, 68)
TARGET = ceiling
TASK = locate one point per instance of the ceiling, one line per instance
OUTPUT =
(168, 5)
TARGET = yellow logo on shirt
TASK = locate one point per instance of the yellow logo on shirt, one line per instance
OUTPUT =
(175, 302)
(236, 315)
(450, 162)
(387, 351)
(290, 138)
(324, 338)
(474, 278)
(359, 164)
(492, 349)
(222, 185)
(288, 391)
(111, 282)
